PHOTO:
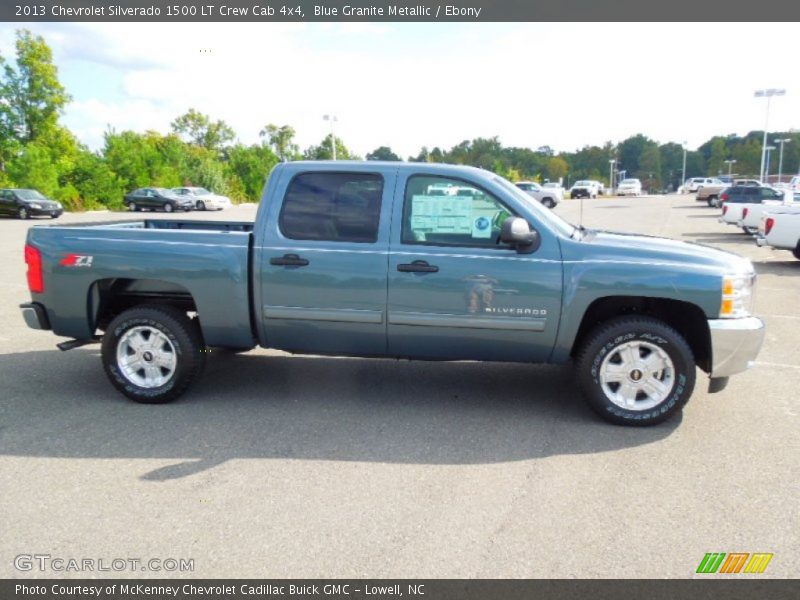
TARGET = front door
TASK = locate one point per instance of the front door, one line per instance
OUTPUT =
(323, 263)
(456, 291)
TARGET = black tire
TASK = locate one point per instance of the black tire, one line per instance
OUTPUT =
(712, 201)
(604, 341)
(796, 251)
(168, 208)
(200, 205)
(750, 230)
(548, 202)
(23, 213)
(132, 207)
(184, 336)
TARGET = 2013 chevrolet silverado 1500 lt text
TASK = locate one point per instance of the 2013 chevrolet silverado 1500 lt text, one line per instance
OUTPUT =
(418, 261)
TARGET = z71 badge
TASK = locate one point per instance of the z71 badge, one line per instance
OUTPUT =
(76, 260)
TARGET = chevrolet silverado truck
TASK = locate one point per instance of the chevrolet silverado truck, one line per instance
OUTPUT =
(370, 259)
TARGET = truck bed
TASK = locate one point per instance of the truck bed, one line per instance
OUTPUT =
(205, 263)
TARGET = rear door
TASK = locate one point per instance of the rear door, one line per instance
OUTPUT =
(323, 261)
(455, 291)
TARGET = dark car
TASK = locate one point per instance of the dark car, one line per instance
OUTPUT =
(748, 194)
(28, 203)
(152, 198)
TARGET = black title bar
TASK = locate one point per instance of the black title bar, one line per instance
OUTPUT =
(243, 11)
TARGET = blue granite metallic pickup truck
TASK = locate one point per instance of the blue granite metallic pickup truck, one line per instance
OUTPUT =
(403, 260)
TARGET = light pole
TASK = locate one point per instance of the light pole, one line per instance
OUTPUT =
(611, 175)
(730, 163)
(780, 160)
(768, 94)
(332, 119)
(683, 175)
(766, 164)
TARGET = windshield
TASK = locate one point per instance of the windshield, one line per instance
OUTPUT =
(30, 195)
(201, 192)
(164, 192)
(584, 183)
(543, 213)
(630, 181)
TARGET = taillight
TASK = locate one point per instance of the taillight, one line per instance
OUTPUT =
(724, 209)
(768, 225)
(724, 197)
(744, 212)
(33, 258)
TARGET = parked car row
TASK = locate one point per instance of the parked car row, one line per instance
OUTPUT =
(772, 216)
(25, 203)
(171, 200)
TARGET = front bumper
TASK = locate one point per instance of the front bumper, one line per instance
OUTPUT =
(35, 316)
(734, 344)
(45, 212)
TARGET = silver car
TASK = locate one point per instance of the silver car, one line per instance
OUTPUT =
(202, 198)
(548, 196)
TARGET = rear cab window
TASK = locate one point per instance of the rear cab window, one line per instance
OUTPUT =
(333, 207)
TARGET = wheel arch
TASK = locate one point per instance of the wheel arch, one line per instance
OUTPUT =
(109, 297)
(686, 318)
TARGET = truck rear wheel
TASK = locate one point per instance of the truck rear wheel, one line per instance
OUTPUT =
(636, 371)
(152, 354)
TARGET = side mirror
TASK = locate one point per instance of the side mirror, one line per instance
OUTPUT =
(516, 232)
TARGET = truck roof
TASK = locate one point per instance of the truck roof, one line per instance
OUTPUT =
(367, 165)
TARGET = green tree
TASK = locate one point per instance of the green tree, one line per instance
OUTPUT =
(249, 166)
(200, 130)
(383, 153)
(324, 150)
(281, 140)
(32, 96)
(34, 168)
(557, 168)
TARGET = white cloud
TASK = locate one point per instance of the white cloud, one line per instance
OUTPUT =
(565, 85)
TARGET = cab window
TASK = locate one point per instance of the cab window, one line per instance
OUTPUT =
(334, 207)
(465, 215)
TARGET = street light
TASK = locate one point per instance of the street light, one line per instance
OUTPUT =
(611, 175)
(730, 163)
(766, 165)
(683, 176)
(768, 94)
(780, 160)
(332, 119)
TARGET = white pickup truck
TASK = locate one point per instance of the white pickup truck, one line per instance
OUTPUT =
(752, 213)
(781, 230)
(734, 199)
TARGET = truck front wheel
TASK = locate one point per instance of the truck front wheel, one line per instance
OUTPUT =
(636, 371)
(152, 354)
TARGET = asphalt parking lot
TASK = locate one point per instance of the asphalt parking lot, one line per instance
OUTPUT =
(281, 466)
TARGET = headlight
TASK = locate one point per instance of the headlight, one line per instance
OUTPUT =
(34, 205)
(737, 296)
(58, 205)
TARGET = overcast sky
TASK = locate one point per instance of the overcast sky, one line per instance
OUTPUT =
(409, 85)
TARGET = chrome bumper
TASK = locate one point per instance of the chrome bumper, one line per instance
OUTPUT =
(734, 344)
(761, 241)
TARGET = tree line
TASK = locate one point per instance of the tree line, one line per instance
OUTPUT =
(37, 151)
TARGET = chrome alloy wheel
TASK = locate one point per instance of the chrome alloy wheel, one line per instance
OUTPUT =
(637, 375)
(146, 357)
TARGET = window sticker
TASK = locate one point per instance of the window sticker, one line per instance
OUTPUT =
(441, 214)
